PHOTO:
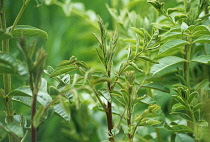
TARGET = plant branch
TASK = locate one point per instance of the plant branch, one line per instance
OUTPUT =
(19, 15)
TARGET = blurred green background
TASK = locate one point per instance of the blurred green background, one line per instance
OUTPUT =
(70, 35)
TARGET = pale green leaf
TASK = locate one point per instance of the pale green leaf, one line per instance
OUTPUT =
(170, 45)
(28, 31)
(148, 59)
(60, 111)
(62, 70)
(178, 128)
(42, 97)
(202, 39)
(205, 59)
(147, 100)
(165, 63)
(183, 138)
(15, 128)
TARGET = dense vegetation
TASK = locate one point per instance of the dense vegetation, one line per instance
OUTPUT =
(114, 70)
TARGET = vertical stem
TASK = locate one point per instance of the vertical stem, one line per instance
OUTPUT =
(109, 111)
(6, 77)
(34, 89)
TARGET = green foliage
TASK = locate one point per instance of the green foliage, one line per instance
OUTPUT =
(113, 91)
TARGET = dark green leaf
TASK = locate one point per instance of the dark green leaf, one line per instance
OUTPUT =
(8, 64)
(178, 107)
(28, 31)
(192, 96)
(53, 91)
(157, 86)
(180, 100)
(165, 63)
(202, 123)
(136, 67)
(180, 16)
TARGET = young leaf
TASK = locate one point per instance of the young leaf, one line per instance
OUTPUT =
(38, 116)
(166, 47)
(205, 59)
(59, 110)
(147, 100)
(28, 31)
(192, 96)
(148, 59)
(178, 107)
(62, 70)
(165, 63)
(136, 67)
(197, 107)
(180, 100)
(172, 35)
(157, 86)
(105, 93)
(8, 64)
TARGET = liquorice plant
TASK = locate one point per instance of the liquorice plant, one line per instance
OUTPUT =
(33, 90)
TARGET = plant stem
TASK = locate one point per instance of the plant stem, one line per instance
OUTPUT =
(34, 89)
(109, 110)
(6, 77)
(19, 15)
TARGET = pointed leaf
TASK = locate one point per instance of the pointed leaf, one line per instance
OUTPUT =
(157, 86)
(38, 115)
(60, 111)
(180, 100)
(205, 59)
(148, 59)
(28, 31)
(42, 97)
(203, 39)
(147, 100)
(165, 63)
(197, 107)
(172, 35)
(170, 45)
(178, 107)
(192, 96)
(105, 93)
(62, 70)
(8, 64)
(136, 67)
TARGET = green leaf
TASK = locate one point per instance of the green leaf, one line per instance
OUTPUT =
(148, 59)
(8, 63)
(184, 26)
(42, 97)
(147, 100)
(180, 100)
(149, 122)
(183, 138)
(165, 63)
(24, 100)
(172, 35)
(180, 16)
(202, 123)
(4, 35)
(170, 45)
(178, 128)
(205, 59)
(157, 86)
(202, 39)
(53, 91)
(62, 70)
(60, 111)
(28, 31)
(15, 128)
(105, 93)
(38, 115)
(197, 107)
(136, 67)
(178, 107)
(192, 96)
(182, 115)
(200, 30)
